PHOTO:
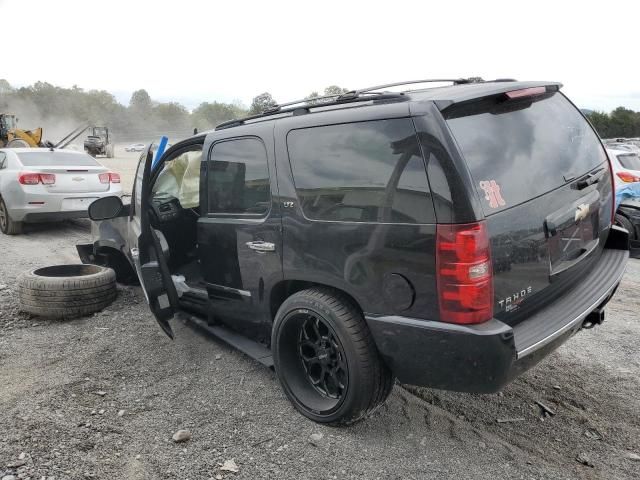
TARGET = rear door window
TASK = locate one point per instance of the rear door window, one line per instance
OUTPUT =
(238, 178)
(361, 172)
(523, 148)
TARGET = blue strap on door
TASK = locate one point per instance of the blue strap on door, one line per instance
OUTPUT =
(162, 145)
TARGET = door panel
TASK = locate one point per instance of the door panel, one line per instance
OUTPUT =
(240, 240)
(146, 252)
(359, 214)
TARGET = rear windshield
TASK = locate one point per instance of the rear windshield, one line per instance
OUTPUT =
(630, 161)
(51, 159)
(523, 148)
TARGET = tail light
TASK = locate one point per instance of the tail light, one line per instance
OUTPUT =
(109, 177)
(28, 178)
(628, 177)
(613, 183)
(526, 92)
(464, 274)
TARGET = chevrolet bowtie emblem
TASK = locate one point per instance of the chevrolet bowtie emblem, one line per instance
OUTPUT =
(581, 212)
(77, 179)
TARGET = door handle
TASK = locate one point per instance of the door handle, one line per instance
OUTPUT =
(260, 246)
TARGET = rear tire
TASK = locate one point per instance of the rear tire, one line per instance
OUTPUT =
(625, 223)
(7, 225)
(326, 360)
(66, 291)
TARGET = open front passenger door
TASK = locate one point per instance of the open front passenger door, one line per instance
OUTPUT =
(151, 265)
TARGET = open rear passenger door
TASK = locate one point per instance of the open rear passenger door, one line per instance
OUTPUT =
(151, 265)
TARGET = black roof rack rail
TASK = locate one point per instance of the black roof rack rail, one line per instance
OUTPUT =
(360, 95)
(455, 81)
(309, 103)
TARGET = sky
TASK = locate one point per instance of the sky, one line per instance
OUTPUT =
(192, 51)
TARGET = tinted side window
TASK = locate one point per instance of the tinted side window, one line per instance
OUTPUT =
(238, 177)
(361, 172)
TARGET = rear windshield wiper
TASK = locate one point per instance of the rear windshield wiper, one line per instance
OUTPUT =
(590, 179)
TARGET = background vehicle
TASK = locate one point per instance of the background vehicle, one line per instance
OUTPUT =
(450, 237)
(99, 142)
(625, 144)
(626, 168)
(625, 165)
(42, 184)
(134, 147)
(12, 136)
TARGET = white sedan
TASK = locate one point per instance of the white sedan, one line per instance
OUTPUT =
(44, 185)
(625, 165)
(136, 147)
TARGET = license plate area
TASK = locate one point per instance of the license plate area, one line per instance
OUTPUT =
(572, 233)
(73, 204)
(573, 242)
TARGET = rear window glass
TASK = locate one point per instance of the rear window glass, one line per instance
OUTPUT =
(361, 172)
(523, 149)
(630, 161)
(50, 159)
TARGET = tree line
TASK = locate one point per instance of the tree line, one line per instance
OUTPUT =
(59, 110)
(621, 122)
(44, 104)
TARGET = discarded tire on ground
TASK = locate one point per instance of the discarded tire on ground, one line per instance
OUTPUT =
(66, 291)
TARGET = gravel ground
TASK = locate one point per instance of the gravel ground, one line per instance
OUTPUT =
(101, 397)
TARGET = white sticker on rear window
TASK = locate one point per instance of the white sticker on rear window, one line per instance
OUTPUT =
(492, 193)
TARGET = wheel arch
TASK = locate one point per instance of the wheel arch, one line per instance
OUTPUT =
(629, 214)
(285, 288)
(111, 257)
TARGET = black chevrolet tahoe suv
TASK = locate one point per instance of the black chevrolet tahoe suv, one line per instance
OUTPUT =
(449, 237)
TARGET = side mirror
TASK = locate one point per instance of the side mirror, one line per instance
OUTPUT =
(105, 208)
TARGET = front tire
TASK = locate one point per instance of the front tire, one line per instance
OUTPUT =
(325, 358)
(7, 225)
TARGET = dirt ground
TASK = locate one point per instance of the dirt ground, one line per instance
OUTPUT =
(101, 397)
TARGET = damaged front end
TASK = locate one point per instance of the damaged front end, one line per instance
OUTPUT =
(108, 249)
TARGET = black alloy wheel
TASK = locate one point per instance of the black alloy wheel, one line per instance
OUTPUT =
(322, 356)
(325, 358)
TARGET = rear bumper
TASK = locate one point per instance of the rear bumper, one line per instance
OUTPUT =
(37, 217)
(51, 207)
(484, 358)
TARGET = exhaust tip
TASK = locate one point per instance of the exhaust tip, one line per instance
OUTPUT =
(594, 318)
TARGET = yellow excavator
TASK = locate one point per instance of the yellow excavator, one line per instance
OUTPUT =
(13, 137)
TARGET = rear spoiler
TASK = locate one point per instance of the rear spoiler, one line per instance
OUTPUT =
(473, 92)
